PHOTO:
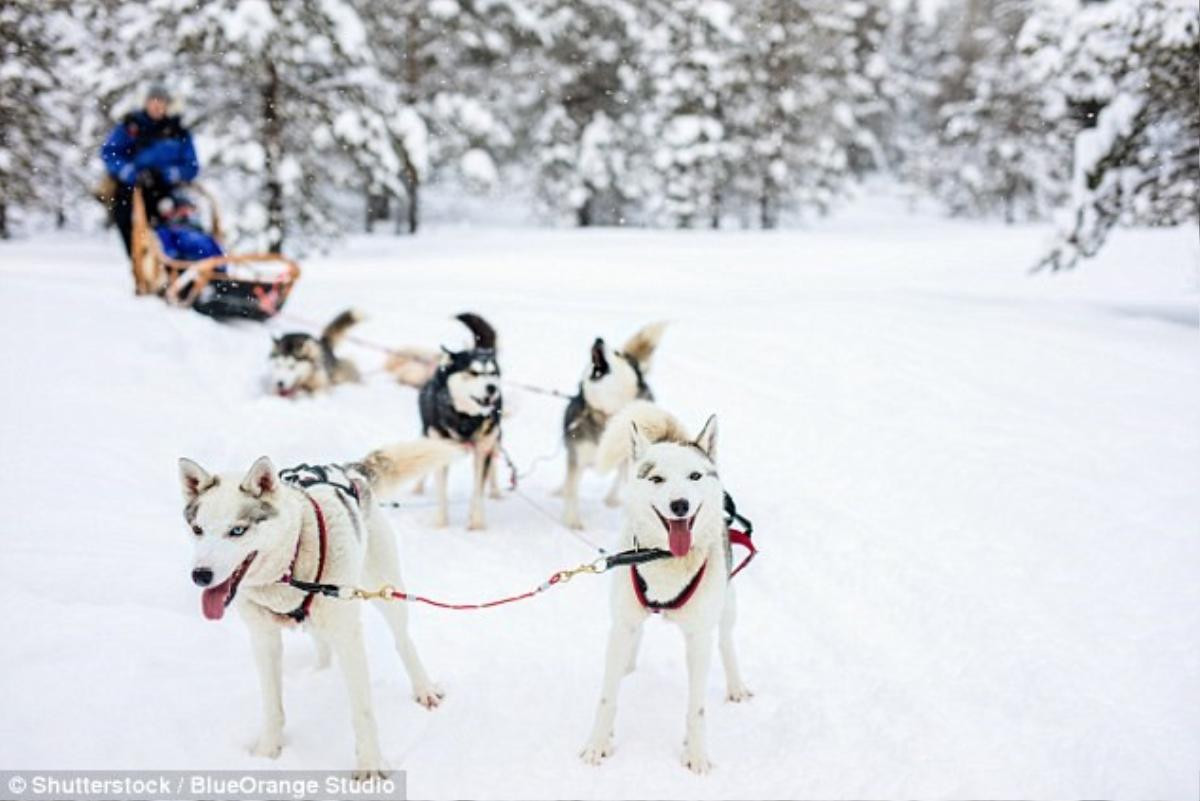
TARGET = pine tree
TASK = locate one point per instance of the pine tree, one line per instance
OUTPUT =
(586, 134)
(33, 106)
(1000, 142)
(450, 62)
(694, 75)
(794, 110)
(1140, 163)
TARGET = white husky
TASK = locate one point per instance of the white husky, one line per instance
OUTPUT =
(253, 533)
(674, 501)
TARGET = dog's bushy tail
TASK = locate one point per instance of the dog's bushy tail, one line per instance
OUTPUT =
(481, 330)
(641, 345)
(339, 325)
(394, 464)
(654, 422)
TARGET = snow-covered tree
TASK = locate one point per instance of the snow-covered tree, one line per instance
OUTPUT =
(1000, 141)
(691, 55)
(34, 106)
(450, 61)
(586, 134)
(1140, 163)
(795, 110)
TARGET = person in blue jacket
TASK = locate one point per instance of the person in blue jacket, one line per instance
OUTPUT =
(151, 149)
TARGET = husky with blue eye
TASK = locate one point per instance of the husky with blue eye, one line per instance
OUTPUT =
(674, 502)
(462, 403)
(255, 535)
(611, 380)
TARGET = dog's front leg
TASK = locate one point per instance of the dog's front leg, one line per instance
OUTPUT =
(266, 639)
(494, 481)
(699, 657)
(345, 635)
(622, 640)
(483, 459)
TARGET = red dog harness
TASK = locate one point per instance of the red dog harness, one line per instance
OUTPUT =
(300, 613)
(736, 537)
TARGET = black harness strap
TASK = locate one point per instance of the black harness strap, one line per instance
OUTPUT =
(305, 475)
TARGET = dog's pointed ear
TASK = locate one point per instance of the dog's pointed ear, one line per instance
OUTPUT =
(261, 479)
(706, 440)
(638, 444)
(194, 479)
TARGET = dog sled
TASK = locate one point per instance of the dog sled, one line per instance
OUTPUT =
(252, 286)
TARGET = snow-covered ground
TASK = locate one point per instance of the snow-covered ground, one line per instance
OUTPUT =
(977, 495)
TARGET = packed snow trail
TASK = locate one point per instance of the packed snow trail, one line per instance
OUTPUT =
(974, 493)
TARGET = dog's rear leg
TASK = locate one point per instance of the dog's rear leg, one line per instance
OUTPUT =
(571, 492)
(440, 478)
(425, 692)
(613, 498)
(267, 642)
(735, 689)
(345, 635)
(622, 640)
(699, 658)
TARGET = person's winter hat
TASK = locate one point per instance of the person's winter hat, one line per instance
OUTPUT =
(158, 91)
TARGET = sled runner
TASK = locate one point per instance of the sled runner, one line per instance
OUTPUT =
(188, 266)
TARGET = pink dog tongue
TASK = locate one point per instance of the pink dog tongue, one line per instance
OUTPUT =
(212, 600)
(679, 536)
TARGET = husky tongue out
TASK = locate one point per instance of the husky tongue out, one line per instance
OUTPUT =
(214, 599)
(679, 535)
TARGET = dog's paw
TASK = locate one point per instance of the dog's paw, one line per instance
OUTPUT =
(573, 521)
(593, 753)
(738, 694)
(476, 523)
(557, 492)
(366, 772)
(696, 761)
(612, 501)
(268, 746)
(429, 697)
(441, 521)
(495, 494)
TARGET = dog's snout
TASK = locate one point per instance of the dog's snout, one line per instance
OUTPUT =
(679, 507)
(202, 576)
(491, 389)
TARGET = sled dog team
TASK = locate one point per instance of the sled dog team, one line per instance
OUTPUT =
(254, 534)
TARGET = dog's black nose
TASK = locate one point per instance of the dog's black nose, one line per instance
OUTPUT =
(679, 507)
(202, 576)
(491, 389)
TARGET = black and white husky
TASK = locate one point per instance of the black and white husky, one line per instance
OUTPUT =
(613, 379)
(462, 403)
(253, 533)
(304, 364)
(674, 501)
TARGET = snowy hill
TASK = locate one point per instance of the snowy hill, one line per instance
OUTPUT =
(975, 493)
